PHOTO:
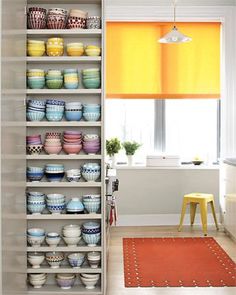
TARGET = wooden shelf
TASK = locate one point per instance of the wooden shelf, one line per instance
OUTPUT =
(63, 91)
(55, 290)
(66, 33)
(64, 59)
(64, 249)
(64, 124)
(63, 184)
(64, 269)
(63, 216)
(63, 1)
(63, 157)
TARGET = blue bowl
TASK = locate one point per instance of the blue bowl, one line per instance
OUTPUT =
(55, 102)
(73, 115)
(71, 85)
(35, 116)
(55, 177)
(36, 209)
(91, 239)
(36, 232)
(54, 116)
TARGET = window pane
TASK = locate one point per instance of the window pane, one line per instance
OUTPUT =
(191, 129)
(131, 119)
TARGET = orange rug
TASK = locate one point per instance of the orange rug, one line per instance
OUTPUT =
(177, 262)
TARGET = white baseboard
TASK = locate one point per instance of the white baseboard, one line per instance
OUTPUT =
(159, 220)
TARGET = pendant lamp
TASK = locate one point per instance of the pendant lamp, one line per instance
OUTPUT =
(175, 36)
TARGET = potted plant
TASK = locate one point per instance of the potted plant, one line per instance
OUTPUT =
(130, 149)
(113, 146)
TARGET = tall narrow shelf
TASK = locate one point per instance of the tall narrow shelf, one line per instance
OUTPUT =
(55, 222)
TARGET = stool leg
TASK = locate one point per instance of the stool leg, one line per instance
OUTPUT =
(214, 214)
(203, 210)
(193, 207)
(182, 214)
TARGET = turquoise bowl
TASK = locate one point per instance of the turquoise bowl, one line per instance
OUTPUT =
(36, 84)
(54, 84)
(92, 84)
(91, 239)
(68, 85)
(35, 116)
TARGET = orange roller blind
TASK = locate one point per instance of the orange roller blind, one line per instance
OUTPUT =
(138, 66)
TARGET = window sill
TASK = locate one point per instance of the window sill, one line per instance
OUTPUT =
(182, 167)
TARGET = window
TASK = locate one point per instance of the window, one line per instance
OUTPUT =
(187, 128)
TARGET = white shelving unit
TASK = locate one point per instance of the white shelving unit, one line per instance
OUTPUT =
(54, 222)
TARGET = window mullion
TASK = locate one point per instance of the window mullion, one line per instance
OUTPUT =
(159, 126)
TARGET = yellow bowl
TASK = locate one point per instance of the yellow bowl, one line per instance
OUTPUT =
(55, 52)
(35, 42)
(92, 47)
(93, 52)
(35, 52)
(35, 74)
(55, 41)
(75, 52)
(75, 44)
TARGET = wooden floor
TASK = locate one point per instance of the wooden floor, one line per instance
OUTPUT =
(115, 265)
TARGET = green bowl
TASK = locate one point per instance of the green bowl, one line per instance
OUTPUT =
(54, 84)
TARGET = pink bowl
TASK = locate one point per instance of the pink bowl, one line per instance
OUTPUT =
(52, 150)
(72, 149)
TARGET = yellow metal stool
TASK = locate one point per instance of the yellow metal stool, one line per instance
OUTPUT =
(201, 199)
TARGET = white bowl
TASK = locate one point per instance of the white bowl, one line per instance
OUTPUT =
(89, 283)
(38, 276)
(37, 284)
(35, 241)
(35, 260)
(55, 196)
(71, 241)
(71, 233)
(53, 242)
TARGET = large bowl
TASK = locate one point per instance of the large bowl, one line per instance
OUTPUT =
(76, 259)
(91, 239)
(65, 282)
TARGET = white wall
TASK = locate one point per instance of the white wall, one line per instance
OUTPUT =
(154, 196)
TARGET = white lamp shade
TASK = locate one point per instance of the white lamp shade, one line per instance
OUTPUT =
(174, 36)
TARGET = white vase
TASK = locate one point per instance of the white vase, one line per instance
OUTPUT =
(130, 159)
(113, 161)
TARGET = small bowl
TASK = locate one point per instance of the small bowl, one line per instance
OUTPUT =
(35, 241)
(54, 259)
(33, 149)
(197, 162)
(36, 259)
(65, 282)
(71, 242)
(76, 259)
(91, 239)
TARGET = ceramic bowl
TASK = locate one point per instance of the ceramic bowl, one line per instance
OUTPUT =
(36, 208)
(56, 209)
(65, 281)
(34, 149)
(72, 149)
(91, 239)
(94, 259)
(37, 284)
(90, 282)
(73, 178)
(91, 176)
(36, 232)
(93, 117)
(54, 84)
(35, 116)
(76, 259)
(35, 241)
(35, 259)
(73, 115)
(52, 150)
(53, 239)
(93, 52)
(71, 233)
(54, 259)
(54, 196)
(71, 242)
(93, 22)
(76, 23)
(34, 176)
(54, 177)
(92, 207)
(54, 116)
(75, 206)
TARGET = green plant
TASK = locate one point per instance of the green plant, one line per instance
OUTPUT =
(113, 146)
(130, 147)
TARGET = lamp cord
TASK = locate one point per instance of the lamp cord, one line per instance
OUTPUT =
(174, 3)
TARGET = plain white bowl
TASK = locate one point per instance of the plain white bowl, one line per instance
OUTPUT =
(35, 261)
(71, 241)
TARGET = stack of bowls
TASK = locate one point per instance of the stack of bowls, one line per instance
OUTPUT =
(72, 142)
(54, 259)
(91, 171)
(36, 79)
(54, 109)
(36, 18)
(35, 47)
(71, 234)
(89, 280)
(76, 259)
(35, 236)
(56, 18)
(35, 259)
(91, 233)
(65, 281)
(37, 280)
(92, 203)
(35, 110)
(55, 203)
(35, 202)
(92, 50)
(73, 111)
(54, 79)
(91, 144)
(71, 79)
(53, 239)
(34, 174)
(73, 175)
(55, 47)
(91, 112)
(54, 172)
(93, 22)
(75, 206)
(34, 144)
(91, 78)
(94, 259)
(75, 49)
(52, 146)
(77, 19)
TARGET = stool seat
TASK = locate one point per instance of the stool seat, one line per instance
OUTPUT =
(202, 199)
